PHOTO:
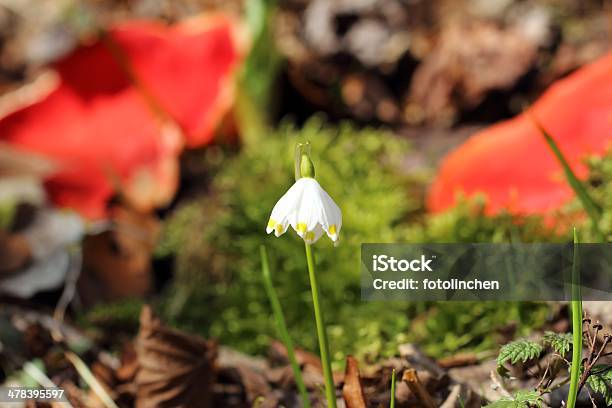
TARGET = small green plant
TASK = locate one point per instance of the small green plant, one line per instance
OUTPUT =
(522, 399)
(559, 342)
(580, 370)
(520, 351)
(548, 355)
(600, 381)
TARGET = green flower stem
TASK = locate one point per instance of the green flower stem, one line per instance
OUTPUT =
(281, 326)
(392, 403)
(576, 353)
(576, 306)
(330, 389)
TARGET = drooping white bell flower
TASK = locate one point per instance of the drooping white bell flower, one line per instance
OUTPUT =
(307, 208)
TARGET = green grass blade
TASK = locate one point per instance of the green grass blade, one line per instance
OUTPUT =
(392, 403)
(259, 72)
(576, 306)
(593, 210)
(281, 325)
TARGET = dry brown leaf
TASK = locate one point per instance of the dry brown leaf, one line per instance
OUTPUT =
(281, 376)
(278, 353)
(312, 370)
(117, 263)
(458, 360)
(470, 60)
(14, 252)
(36, 340)
(175, 369)
(78, 398)
(129, 363)
(254, 384)
(352, 391)
(104, 374)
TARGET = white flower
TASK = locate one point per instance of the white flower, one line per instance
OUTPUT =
(309, 210)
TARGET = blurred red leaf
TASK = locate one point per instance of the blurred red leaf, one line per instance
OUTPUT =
(187, 68)
(124, 107)
(510, 162)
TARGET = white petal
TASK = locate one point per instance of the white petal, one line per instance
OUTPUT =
(309, 210)
(283, 211)
(333, 222)
(331, 219)
(313, 236)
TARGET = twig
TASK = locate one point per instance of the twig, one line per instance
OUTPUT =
(411, 378)
(558, 385)
(90, 379)
(72, 277)
(591, 398)
(587, 322)
(499, 385)
(593, 360)
(597, 327)
(543, 376)
(452, 397)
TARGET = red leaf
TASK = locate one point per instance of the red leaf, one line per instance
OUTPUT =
(190, 72)
(106, 122)
(510, 162)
